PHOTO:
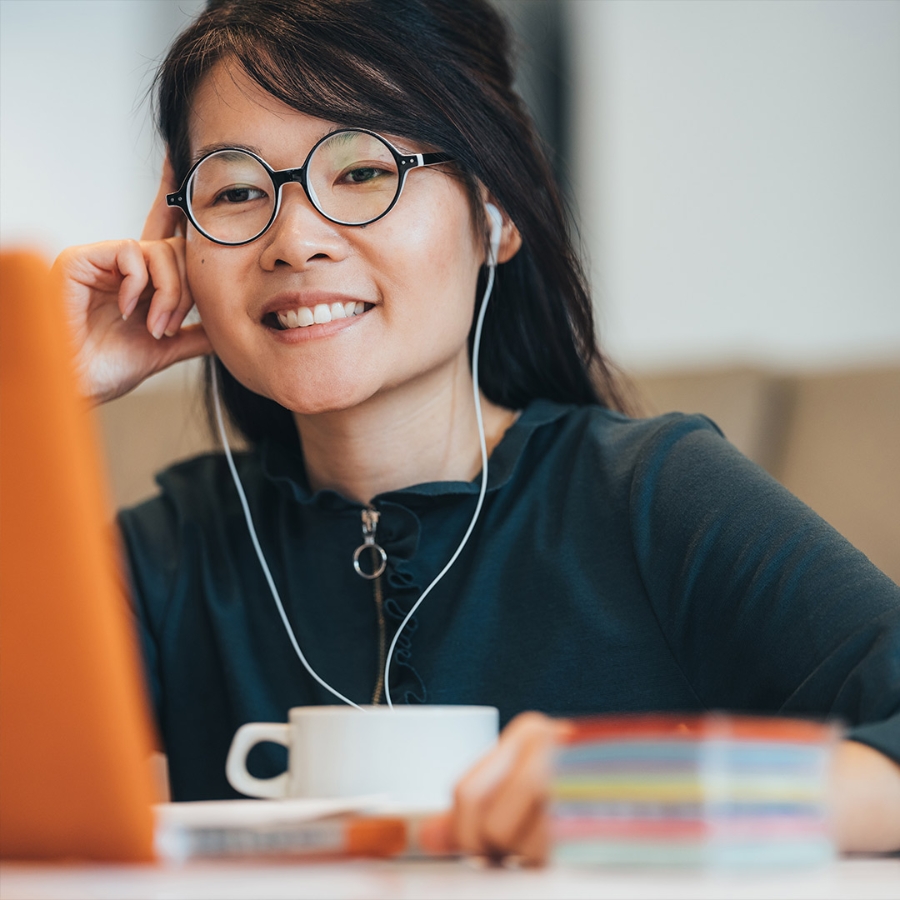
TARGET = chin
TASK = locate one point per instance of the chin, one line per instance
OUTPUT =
(307, 389)
(312, 402)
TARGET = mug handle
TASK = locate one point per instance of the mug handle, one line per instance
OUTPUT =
(245, 738)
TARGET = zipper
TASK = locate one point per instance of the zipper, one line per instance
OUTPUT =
(378, 693)
(370, 519)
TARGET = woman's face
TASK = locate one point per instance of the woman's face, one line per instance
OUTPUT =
(415, 270)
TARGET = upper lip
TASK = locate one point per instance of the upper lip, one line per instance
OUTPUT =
(287, 300)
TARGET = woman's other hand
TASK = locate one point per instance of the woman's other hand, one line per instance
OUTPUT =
(500, 804)
(865, 800)
(125, 303)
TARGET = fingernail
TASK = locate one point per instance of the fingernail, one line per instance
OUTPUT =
(171, 329)
(159, 327)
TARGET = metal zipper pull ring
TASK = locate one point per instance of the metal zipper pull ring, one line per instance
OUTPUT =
(369, 526)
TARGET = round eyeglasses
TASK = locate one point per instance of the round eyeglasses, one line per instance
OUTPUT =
(352, 177)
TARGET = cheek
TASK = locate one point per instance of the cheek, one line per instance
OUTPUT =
(199, 273)
(434, 271)
(454, 280)
(209, 275)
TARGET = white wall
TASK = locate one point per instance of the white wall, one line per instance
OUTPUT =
(79, 161)
(739, 173)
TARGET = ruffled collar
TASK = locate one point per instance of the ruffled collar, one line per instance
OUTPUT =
(285, 468)
(400, 527)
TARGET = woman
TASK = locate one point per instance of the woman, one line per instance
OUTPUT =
(614, 563)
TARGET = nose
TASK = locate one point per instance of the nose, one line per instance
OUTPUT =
(301, 235)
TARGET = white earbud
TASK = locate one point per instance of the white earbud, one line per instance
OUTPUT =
(496, 232)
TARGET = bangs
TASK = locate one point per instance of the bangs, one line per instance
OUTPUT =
(340, 67)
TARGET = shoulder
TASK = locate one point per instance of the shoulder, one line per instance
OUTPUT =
(600, 458)
(192, 520)
(196, 492)
(615, 429)
(617, 444)
(203, 476)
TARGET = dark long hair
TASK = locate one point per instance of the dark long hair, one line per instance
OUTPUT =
(438, 72)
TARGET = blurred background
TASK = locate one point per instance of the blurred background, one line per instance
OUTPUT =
(734, 173)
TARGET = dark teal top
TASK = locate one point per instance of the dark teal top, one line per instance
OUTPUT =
(618, 564)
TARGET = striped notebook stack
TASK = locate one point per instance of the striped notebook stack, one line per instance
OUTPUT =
(712, 790)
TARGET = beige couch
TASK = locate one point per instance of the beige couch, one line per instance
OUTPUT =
(832, 438)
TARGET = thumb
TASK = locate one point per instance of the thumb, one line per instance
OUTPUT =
(189, 342)
(435, 835)
(163, 220)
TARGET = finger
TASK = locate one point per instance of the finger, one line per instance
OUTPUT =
(474, 789)
(504, 792)
(533, 847)
(186, 301)
(162, 264)
(163, 220)
(110, 266)
(130, 262)
(435, 835)
(519, 799)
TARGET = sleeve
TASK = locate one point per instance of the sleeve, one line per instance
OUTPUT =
(765, 606)
(150, 543)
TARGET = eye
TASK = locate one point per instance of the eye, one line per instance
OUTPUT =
(239, 194)
(362, 174)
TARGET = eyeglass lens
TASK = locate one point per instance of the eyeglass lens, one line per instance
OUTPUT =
(352, 178)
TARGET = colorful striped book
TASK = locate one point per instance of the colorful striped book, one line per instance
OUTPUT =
(712, 790)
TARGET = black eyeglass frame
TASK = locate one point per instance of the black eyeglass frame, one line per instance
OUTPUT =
(405, 163)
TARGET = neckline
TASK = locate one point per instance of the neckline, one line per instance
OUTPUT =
(284, 466)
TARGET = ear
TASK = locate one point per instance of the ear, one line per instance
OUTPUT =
(510, 239)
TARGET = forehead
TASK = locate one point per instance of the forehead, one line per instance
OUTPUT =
(230, 108)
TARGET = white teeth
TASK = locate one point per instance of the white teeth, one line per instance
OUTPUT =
(319, 314)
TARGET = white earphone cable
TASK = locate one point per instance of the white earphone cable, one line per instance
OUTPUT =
(484, 481)
(258, 549)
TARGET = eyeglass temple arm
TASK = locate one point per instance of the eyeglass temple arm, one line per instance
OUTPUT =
(414, 160)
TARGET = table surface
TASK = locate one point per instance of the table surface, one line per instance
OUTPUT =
(424, 880)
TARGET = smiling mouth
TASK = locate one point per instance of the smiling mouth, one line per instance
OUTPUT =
(320, 314)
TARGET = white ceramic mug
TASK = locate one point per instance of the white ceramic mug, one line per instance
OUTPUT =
(413, 755)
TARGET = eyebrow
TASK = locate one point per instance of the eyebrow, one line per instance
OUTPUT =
(206, 149)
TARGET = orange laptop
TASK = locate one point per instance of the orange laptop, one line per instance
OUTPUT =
(74, 727)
